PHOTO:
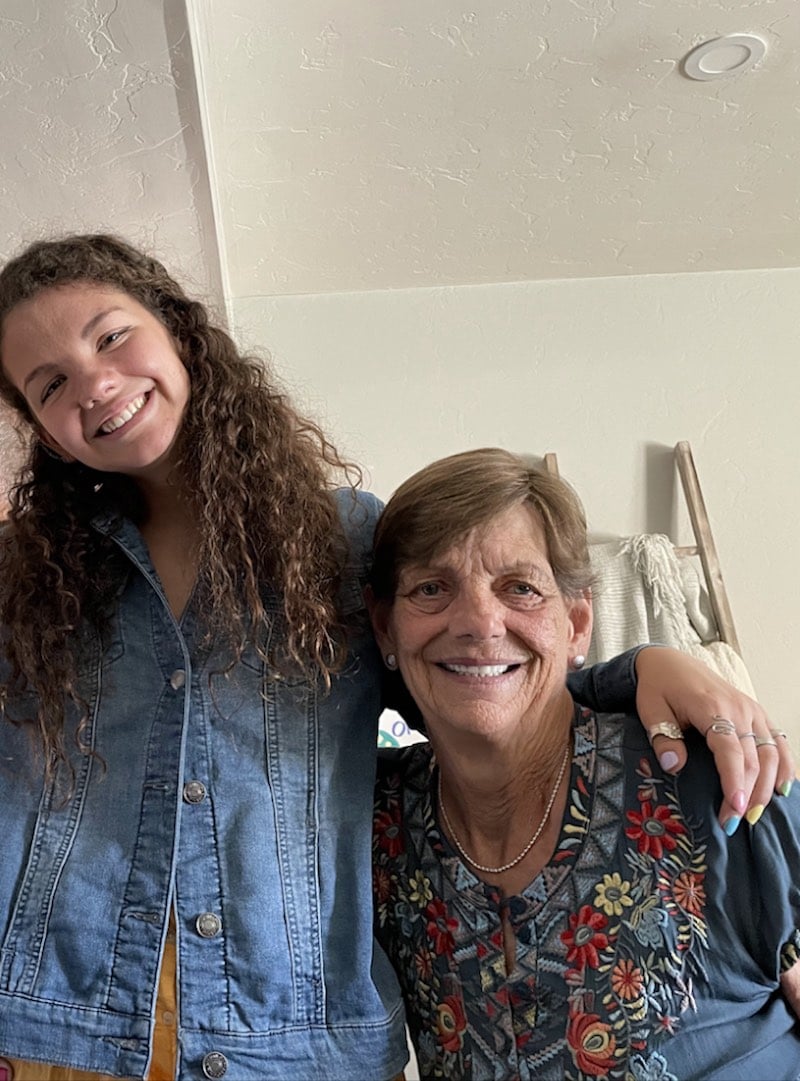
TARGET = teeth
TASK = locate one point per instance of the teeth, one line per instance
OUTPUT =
(122, 418)
(478, 669)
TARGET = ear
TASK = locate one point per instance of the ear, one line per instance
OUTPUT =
(56, 448)
(579, 611)
(380, 614)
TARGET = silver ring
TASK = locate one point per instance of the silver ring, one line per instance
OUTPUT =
(776, 733)
(667, 729)
(748, 735)
(762, 741)
(722, 727)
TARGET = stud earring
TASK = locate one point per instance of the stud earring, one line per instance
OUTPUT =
(391, 661)
(578, 661)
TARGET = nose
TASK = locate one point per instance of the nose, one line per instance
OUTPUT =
(96, 383)
(477, 613)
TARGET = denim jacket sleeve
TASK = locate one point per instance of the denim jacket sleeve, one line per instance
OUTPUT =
(608, 686)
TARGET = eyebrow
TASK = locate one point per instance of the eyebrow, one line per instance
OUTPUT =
(87, 330)
(50, 365)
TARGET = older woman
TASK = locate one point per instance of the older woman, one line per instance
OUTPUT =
(554, 903)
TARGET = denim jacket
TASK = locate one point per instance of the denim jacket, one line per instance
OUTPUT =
(247, 811)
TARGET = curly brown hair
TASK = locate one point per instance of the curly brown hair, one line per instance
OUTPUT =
(259, 474)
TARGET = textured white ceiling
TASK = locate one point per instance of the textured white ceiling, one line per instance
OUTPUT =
(351, 145)
(385, 145)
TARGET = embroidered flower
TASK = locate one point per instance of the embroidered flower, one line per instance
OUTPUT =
(653, 1068)
(423, 963)
(592, 1043)
(626, 980)
(450, 1022)
(666, 1023)
(585, 937)
(420, 889)
(689, 892)
(381, 884)
(441, 926)
(387, 833)
(653, 828)
(647, 923)
(612, 894)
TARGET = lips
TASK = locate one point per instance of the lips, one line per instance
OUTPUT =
(119, 420)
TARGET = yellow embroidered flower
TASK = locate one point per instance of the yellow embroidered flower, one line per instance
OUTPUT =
(612, 894)
(420, 887)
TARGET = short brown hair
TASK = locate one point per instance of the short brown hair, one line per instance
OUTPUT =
(438, 506)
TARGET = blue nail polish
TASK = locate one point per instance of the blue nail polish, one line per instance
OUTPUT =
(732, 825)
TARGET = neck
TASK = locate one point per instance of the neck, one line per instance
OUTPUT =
(171, 533)
(165, 502)
(493, 803)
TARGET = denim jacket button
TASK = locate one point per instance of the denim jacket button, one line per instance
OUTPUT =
(208, 925)
(194, 792)
(177, 679)
(215, 1065)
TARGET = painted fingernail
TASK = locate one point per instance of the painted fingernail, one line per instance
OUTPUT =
(739, 802)
(732, 825)
(668, 760)
(755, 812)
(785, 788)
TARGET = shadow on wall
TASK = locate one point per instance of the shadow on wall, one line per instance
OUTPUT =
(11, 455)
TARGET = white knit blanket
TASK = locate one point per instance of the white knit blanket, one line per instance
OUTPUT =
(645, 593)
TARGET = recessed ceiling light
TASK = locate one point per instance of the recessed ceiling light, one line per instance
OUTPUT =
(724, 56)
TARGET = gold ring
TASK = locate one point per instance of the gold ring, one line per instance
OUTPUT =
(667, 729)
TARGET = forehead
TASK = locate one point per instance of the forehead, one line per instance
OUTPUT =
(513, 539)
(36, 328)
(60, 304)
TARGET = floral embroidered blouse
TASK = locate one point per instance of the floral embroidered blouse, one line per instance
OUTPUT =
(648, 949)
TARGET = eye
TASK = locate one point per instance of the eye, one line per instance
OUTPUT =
(51, 387)
(523, 593)
(112, 337)
(428, 595)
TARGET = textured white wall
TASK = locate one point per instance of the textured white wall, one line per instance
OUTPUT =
(101, 131)
(608, 373)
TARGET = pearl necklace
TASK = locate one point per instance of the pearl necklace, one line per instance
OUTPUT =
(528, 846)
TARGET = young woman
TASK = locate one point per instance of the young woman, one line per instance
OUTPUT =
(190, 694)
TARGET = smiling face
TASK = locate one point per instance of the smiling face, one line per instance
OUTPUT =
(101, 376)
(482, 635)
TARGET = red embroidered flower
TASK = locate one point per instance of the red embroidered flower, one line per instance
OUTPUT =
(626, 980)
(585, 937)
(381, 885)
(653, 828)
(423, 963)
(450, 1022)
(387, 833)
(441, 926)
(689, 892)
(592, 1043)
